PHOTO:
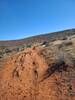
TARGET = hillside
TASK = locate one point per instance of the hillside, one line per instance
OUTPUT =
(40, 67)
(39, 38)
(7, 47)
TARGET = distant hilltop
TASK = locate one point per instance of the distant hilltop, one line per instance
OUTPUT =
(39, 38)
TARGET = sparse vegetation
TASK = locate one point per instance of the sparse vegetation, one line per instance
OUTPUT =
(58, 66)
(8, 50)
(65, 44)
(45, 43)
(0, 56)
(64, 38)
(43, 70)
(29, 45)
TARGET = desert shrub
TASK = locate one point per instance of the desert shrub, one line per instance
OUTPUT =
(15, 49)
(64, 44)
(0, 56)
(1, 53)
(64, 38)
(29, 45)
(45, 43)
(58, 66)
(60, 46)
(7, 50)
(68, 43)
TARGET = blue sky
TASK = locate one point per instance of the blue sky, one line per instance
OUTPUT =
(24, 18)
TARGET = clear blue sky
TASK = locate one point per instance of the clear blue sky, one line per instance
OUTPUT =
(24, 18)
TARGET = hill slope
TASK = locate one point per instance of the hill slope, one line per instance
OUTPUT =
(46, 70)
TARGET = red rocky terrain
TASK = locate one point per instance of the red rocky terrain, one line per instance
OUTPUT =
(44, 71)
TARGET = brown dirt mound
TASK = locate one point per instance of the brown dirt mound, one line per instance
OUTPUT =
(37, 73)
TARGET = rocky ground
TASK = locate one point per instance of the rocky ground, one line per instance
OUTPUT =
(44, 71)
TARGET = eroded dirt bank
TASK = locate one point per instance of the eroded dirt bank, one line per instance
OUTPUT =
(40, 73)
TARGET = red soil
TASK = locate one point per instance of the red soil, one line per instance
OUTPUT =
(22, 78)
